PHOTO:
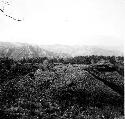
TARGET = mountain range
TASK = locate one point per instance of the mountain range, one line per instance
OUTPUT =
(84, 50)
(23, 50)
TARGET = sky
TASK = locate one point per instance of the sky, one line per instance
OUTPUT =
(67, 22)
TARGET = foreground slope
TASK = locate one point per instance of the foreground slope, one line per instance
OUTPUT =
(65, 91)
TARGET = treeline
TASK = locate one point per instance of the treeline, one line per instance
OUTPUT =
(10, 68)
(94, 59)
(76, 60)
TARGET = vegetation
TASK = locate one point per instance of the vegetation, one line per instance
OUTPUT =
(75, 88)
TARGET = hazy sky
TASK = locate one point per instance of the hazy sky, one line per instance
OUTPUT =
(70, 22)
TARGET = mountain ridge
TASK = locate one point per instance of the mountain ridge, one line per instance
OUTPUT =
(84, 50)
(25, 50)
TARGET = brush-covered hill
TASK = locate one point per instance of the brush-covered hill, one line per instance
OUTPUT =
(63, 91)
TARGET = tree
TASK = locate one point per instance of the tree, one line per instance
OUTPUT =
(3, 6)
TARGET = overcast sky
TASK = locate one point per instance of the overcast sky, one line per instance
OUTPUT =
(68, 22)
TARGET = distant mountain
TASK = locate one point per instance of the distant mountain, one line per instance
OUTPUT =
(84, 50)
(22, 50)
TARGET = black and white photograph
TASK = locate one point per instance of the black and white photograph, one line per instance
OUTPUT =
(62, 59)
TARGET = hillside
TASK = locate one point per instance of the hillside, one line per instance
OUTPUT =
(62, 91)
